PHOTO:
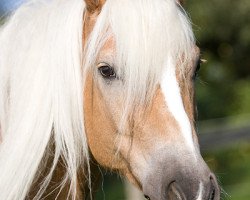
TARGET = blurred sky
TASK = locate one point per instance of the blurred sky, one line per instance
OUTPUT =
(8, 5)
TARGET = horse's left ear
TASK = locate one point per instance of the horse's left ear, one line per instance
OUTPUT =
(94, 5)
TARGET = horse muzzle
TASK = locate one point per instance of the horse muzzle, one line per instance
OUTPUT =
(181, 182)
(186, 190)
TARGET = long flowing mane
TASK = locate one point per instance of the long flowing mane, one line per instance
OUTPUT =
(41, 93)
(42, 71)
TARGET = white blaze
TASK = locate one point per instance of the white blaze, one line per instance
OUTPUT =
(171, 91)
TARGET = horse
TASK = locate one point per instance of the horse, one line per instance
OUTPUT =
(89, 83)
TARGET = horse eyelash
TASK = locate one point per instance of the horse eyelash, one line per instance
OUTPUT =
(198, 66)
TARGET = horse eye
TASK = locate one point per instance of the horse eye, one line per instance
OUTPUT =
(198, 66)
(106, 71)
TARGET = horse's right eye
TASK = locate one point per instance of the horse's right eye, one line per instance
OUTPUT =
(107, 71)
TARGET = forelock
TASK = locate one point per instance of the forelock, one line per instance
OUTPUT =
(147, 34)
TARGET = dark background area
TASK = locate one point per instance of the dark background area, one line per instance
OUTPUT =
(222, 29)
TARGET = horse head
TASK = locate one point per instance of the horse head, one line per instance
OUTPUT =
(139, 97)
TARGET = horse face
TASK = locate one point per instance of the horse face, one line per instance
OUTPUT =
(158, 150)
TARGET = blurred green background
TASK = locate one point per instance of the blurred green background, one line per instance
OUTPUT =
(222, 29)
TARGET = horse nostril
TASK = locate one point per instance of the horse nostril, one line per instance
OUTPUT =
(212, 195)
(147, 197)
(212, 190)
(175, 192)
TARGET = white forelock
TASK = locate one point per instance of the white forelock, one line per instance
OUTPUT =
(147, 33)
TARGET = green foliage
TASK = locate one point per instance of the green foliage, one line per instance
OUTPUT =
(222, 29)
(112, 188)
(242, 91)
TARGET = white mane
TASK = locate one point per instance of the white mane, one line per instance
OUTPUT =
(41, 91)
(41, 81)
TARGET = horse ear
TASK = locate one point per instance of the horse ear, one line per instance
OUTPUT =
(94, 5)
